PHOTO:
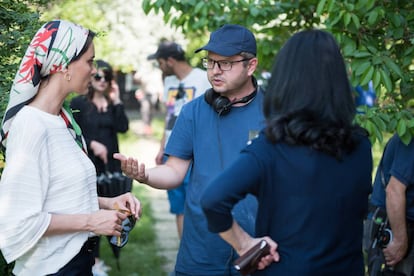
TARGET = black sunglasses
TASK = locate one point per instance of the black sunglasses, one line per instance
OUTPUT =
(98, 77)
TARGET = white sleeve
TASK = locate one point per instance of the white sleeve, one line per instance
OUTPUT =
(23, 189)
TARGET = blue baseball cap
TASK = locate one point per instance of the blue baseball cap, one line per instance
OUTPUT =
(230, 40)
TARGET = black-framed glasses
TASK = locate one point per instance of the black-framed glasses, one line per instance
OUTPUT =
(224, 65)
(98, 77)
(127, 225)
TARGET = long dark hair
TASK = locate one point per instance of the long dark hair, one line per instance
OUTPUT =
(309, 98)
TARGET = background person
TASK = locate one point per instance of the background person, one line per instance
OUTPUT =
(209, 133)
(182, 83)
(147, 94)
(49, 209)
(101, 116)
(393, 191)
(310, 168)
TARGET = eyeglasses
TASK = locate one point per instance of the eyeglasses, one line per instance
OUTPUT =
(127, 225)
(224, 65)
(98, 77)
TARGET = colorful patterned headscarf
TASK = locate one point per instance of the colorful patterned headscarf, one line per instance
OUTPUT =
(53, 47)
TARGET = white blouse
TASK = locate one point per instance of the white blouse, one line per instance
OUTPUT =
(46, 173)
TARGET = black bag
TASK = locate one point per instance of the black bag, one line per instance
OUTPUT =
(113, 184)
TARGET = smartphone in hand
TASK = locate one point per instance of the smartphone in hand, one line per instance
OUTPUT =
(247, 263)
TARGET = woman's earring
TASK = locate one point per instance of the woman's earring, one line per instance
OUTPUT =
(68, 77)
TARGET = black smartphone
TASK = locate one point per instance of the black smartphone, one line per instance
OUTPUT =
(247, 263)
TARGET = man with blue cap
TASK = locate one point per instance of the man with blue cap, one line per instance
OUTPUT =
(209, 134)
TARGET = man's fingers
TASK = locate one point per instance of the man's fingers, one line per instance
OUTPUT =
(119, 156)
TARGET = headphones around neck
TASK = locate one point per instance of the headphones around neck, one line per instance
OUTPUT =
(222, 105)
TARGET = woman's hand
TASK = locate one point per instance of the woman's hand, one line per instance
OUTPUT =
(99, 150)
(106, 222)
(125, 202)
(273, 256)
(267, 260)
(131, 168)
(114, 94)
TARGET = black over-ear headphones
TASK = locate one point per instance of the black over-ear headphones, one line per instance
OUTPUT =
(222, 105)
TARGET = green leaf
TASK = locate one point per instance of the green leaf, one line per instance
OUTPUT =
(372, 49)
(336, 19)
(372, 17)
(398, 33)
(401, 128)
(362, 54)
(320, 7)
(396, 20)
(198, 7)
(359, 70)
(367, 76)
(380, 123)
(146, 6)
(386, 80)
(392, 65)
(356, 21)
(406, 138)
(347, 19)
(378, 133)
(369, 4)
(376, 79)
(349, 48)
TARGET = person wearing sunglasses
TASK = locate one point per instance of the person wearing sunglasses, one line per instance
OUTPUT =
(101, 116)
(208, 135)
(49, 207)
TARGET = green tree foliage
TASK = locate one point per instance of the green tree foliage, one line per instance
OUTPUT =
(18, 24)
(376, 38)
(125, 35)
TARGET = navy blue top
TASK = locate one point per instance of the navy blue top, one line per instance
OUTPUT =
(398, 161)
(311, 204)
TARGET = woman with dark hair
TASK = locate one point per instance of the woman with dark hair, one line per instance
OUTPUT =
(310, 168)
(49, 208)
(101, 116)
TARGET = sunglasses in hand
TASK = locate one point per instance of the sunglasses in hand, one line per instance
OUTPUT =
(127, 225)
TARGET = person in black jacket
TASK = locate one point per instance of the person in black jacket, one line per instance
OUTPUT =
(101, 116)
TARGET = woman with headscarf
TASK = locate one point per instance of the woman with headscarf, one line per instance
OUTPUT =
(49, 208)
